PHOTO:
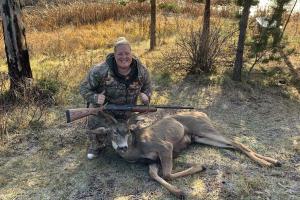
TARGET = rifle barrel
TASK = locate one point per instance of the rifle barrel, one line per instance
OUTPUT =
(113, 107)
(172, 107)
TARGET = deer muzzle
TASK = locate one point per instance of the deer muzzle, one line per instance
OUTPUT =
(123, 148)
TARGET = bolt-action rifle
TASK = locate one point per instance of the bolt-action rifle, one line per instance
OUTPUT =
(78, 113)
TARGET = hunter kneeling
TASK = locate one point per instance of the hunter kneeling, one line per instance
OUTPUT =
(119, 80)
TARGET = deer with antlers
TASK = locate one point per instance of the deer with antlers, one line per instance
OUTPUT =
(158, 143)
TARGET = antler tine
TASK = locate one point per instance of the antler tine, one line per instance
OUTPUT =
(109, 117)
(130, 119)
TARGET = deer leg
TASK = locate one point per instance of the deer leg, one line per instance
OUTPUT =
(271, 160)
(192, 170)
(260, 161)
(153, 172)
(263, 160)
(210, 141)
(166, 158)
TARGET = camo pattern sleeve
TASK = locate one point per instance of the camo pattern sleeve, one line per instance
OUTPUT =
(93, 84)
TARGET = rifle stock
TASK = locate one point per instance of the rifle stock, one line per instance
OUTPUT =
(78, 113)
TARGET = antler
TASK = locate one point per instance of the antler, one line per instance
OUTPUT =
(133, 122)
(109, 117)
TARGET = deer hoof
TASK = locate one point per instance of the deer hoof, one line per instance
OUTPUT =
(180, 194)
(278, 164)
(203, 168)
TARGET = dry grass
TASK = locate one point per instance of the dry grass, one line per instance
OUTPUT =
(53, 160)
(80, 13)
(73, 40)
(77, 13)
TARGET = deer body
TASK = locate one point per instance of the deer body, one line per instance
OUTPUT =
(145, 143)
(179, 130)
(169, 136)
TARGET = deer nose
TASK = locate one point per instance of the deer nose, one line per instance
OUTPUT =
(123, 148)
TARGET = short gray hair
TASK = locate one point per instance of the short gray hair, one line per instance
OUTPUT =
(121, 41)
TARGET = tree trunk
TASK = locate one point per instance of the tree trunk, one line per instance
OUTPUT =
(204, 39)
(277, 18)
(15, 44)
(238, 64)
(153, 25)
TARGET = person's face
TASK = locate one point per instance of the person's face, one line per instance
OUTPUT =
(123, 56)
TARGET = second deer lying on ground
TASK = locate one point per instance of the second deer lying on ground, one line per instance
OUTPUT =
(170, 135)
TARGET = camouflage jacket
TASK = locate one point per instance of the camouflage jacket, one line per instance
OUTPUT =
(118, 90)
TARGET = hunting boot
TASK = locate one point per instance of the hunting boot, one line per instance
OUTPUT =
(97, 144)
(97, 138)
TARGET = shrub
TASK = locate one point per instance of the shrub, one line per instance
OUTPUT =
(26, 107)
(123, 2)
(163, 79)
(185, 56)
(169, 7)
(48, 86)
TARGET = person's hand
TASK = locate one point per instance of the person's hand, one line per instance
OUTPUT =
(144, 98)
(101, 98)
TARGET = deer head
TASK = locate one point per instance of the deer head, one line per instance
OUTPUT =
(119, 137)
(120, 132)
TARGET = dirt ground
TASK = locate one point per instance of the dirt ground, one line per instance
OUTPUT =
(51, 163)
